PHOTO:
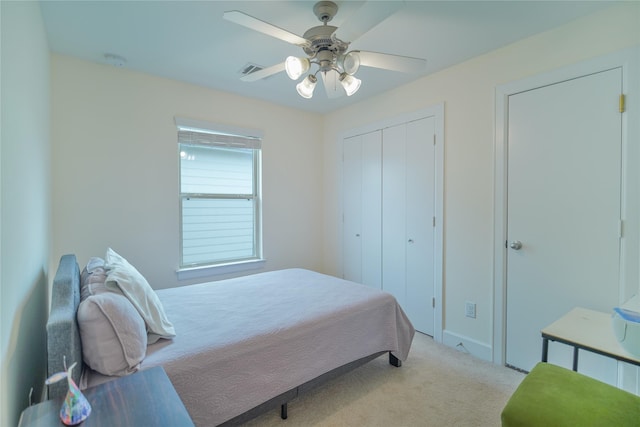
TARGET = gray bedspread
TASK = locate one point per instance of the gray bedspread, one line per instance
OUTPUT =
(243, 341)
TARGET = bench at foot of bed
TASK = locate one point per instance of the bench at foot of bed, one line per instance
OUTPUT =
(554, 396)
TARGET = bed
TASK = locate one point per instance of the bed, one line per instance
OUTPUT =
(246, 345)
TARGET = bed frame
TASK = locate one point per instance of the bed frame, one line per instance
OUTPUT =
(65, 346)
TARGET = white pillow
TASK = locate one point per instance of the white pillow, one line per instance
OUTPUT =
(135, 287)
(114, 338)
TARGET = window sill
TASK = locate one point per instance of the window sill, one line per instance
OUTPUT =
(190, 273)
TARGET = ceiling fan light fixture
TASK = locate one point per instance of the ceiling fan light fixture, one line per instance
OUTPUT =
(325, 47)
(349, 83)
(296, 67)
(305, 87)
(350, 63)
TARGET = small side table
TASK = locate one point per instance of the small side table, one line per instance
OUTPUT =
(588, 330)
(146, 398)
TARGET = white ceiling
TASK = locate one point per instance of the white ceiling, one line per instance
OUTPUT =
(191, 42)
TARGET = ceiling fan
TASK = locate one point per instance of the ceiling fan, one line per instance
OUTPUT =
(325, 47)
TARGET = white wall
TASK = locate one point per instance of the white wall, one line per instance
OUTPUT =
(115, 168)
(25, 206)
(468, 93)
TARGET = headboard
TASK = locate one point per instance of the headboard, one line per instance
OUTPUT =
(63, 335)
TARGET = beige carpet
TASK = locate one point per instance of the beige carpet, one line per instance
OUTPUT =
(437, 386)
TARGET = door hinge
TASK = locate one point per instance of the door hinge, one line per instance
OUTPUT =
(433, 302)
(434, 139)
(622, 102)
(620, 229)
(434, 221)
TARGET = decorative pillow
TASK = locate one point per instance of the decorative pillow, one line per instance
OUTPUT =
(114, 338)
(135, 287)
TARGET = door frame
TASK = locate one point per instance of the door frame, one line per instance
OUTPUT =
(437, 112)
(628, 60)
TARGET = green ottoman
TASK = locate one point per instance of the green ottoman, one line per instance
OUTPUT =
(553, 396)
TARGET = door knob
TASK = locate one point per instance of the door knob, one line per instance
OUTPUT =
(516, 245)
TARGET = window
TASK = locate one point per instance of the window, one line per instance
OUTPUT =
(219, 195)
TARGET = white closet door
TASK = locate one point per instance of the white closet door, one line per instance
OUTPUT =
(408, 209)
(362, 241)
(420, 208)
(352, 201)
(392, 182)
(372, 209)
(394, 200)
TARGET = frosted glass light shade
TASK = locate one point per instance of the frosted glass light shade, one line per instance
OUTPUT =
(305, 88)
(350, 63)
(295, 67)
(350, 83)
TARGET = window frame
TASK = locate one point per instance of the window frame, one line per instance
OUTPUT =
(223, 137)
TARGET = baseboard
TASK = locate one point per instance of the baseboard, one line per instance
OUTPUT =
(462, 343)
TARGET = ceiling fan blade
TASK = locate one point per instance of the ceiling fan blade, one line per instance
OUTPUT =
(256, 24)
(265, 72)
(405, 64)
(331, 84)
(370, 14)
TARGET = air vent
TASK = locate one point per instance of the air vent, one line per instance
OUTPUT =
(115, 60)
(250, 68)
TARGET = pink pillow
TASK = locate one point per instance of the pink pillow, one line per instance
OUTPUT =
(114, 336)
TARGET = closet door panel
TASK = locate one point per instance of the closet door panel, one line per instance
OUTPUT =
(352, 205)
(371, 206)
(420, 208)
(362, 186)
(393, 212)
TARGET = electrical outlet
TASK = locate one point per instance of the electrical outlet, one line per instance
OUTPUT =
(470, 309)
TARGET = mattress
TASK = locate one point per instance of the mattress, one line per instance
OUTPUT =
(240, 342)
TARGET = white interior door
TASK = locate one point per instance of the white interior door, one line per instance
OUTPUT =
(563, 205)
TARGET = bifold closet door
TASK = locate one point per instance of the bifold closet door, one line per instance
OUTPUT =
(408, 206)
(362, 240)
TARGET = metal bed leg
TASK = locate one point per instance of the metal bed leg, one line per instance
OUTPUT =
(283, 411)
(394, 360)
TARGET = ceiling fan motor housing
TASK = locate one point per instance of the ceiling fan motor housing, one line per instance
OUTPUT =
(325, 10)
(320, 38)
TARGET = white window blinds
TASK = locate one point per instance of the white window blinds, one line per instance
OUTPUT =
(198, 132)
(220, 200)
(187, 136)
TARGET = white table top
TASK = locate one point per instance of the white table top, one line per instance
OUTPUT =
(591, 330)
